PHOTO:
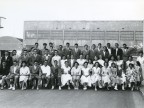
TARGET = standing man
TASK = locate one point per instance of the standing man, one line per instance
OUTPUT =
(60, 50)
(15, 57)
(85, 51)
(8, 59)
(67, 51)
(44, 48)
(93, 52)
(24, 57)
(125, 52)
(99, 49)
(104, 53)
(47, 57)
(118, 51)
(35, 57)
(36, 47)
(76, 52)
(110, 49)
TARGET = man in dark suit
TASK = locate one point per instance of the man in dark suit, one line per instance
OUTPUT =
(99, 49)
(35, 75)
(24, 57)
(118, 51)
(8, 59)
(4, 71)
(104, 53)
(67, 51)
(85, 51)
(76, 52)
(93, 52)
(125, 52)
(60, 51)
(110, 49)
(35, 57)
(36, 47)
(44, 48)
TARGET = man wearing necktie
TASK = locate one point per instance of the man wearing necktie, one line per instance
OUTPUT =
(76, 52)
(118, 51)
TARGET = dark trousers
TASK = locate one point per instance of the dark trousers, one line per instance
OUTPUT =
(56, 80)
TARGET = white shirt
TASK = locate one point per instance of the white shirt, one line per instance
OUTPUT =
(24, 71)
(141, 60)
(46, 70)
(56, 57)
(85, 71)
(109, 50)
(15, 69)
(101, 62)
(96, 71)
(76, 71)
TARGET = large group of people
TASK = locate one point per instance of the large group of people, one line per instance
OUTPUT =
(96, 67)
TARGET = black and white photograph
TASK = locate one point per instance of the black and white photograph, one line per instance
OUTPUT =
(71, 54)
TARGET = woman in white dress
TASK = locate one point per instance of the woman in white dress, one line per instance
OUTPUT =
(90, 63)
(138, 74)
(130, 60)
(131, 76)
(63, 61)
(81, 61)
(66, 78)
(95, 77)
(100, 60)
(121, 76)
(106, 75)
(24, 75)
(113, 76)
(85, 78)
(76, 73)
(140, 58)
(112, 60)
(119, 62)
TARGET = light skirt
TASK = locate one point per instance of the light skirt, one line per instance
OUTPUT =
(23, 78)
(85, 79)
(94, 78)
(106, 79)
(65, 78)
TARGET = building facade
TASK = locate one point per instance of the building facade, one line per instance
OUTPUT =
(83, 32)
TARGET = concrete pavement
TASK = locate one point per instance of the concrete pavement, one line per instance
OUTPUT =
(70, 99)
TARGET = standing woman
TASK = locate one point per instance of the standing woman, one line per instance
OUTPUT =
(138, 74)
(24, 75)
(95, 77)
(66, 78)
(76, 73)
(85, 79)
(106, 75)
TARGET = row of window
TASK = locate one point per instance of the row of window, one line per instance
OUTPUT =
(85, 35)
